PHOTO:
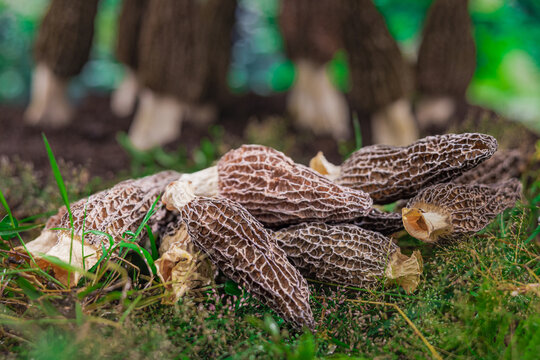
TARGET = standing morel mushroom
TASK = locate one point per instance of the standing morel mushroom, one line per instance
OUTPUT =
(381, 80)
(62, 48)
(445, 65)
(113, 211)
(277, 191)
(391, 173)
(348, 255)
(244, 251)
(450, 211)
(312, 34)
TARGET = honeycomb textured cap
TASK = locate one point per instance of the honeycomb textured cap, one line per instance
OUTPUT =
(342, 254)
(458, 210)
(503, 165)
(116, 210)
(277, 191)
(390, 173)
(245, 252)
(383, 222)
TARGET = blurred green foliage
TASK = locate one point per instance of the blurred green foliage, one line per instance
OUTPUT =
(507, 35)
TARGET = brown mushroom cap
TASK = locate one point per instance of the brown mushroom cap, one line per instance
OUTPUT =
(450, 211)
(277, 191)
(346, 254)
(245, 252)
(390, 173)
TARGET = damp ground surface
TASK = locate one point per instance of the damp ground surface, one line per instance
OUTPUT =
(90, 140)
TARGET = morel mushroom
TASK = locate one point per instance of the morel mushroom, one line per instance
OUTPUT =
(446, 64)
(450, 211)
(184, 53)
(243, 250)
(113, 211)
(348, 255)
(61, 50)
(312, 35)
(391, 173)
(130, 22)
(277, 191)
(381, 80)
(503, 165)
(382, 222)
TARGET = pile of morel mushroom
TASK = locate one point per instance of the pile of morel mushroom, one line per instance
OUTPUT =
(269, 223)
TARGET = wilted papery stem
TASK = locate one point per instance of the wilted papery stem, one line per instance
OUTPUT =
(324, 167)
(405, 270)
(426, 225)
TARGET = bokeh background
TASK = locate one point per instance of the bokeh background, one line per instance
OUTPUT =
(507, 34)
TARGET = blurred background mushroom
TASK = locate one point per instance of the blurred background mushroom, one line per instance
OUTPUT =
(312, 35)
(381, 56)
(127, 52)
(183, 62)
(446, 64)
(381, 81)
(61, 49)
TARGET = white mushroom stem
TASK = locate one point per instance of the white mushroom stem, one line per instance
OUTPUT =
(324, 167)
(49, 104)
(123, 98)
(178, 194)
(435, 111)
(425, 225)
(395, 124)
(405, 270)
(204, 182)
(58, 243)
(158, 120)
(316, 104)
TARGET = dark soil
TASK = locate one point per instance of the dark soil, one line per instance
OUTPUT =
(90, 140)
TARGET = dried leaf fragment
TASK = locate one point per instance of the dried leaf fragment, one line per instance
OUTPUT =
(277, 191)
(390, 173)
(450, 211)
(348, 255)
(182, 267)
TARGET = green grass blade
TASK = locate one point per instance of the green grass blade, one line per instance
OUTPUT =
(7, 209)
(14, 223)
(153, 247)
(66, 266)
(11, 232)
(130, 309)
(58, 177)
(357, 132)
(37, 216)
(63, 192)
(146, 218)
(534, 234)
(141, 251)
